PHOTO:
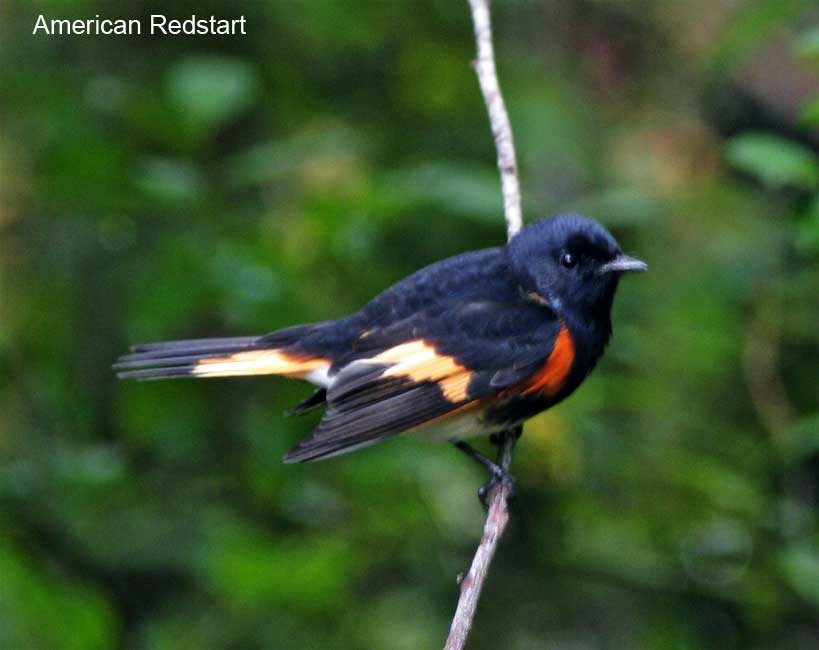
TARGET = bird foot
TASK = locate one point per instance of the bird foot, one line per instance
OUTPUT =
(498, 476)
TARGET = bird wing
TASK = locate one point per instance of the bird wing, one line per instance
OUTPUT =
(433, 365)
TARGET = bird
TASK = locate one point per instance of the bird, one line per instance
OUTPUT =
(471, 345)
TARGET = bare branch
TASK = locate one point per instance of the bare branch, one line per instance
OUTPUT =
(498, 117)
(498, 513)
(496, 519)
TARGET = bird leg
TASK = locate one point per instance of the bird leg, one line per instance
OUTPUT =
(498, 439)
(496, 473)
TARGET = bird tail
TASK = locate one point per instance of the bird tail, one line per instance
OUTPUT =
(273, 354)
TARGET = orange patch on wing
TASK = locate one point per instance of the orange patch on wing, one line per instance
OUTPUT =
(419, 362)
(549, 379)
(258, 362)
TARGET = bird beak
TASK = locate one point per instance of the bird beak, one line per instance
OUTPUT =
(623, 263)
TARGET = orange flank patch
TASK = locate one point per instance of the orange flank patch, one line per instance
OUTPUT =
(258, 362)
(549, 379)
(419, 362)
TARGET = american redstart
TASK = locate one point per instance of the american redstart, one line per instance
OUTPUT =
(474, 344)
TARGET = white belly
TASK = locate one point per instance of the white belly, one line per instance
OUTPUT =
(458, 427)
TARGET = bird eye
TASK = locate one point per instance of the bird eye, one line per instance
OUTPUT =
(568, 260)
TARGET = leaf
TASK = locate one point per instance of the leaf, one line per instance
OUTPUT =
(753, 25)
(211, 90)
(807, 230)
(617, 206)
(806, 45)
(453, 187)
(328, 145)
(41, 608)
(167, 179)
(800, 568)
(809, 115)
(776, 162)
(801, 440)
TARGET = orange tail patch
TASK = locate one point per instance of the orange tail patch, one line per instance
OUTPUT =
(259, 362)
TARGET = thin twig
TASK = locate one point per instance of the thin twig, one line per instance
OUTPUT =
(498, 513)
(484, 66)
(496, 519)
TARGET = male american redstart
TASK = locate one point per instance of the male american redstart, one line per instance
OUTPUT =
(474, 344)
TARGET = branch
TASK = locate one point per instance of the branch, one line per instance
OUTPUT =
(498, 117)
(498, 514)
(496, 519)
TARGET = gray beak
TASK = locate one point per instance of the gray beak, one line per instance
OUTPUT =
(623, 263)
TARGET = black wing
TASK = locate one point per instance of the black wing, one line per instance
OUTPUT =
(427, 367)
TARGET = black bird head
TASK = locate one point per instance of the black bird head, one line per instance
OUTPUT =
(571, 263)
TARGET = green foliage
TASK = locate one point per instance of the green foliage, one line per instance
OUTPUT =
(775, 161)
(31, 594)
(800, 568)
(807, 44)
(179, 187)
(210, 91)
(810, 114)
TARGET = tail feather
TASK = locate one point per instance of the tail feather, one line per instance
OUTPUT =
(275, 353)
(191, 346)
(139, 361)
(171, 359)
(152, 374)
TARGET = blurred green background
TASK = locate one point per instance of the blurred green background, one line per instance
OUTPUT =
(159, 188)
